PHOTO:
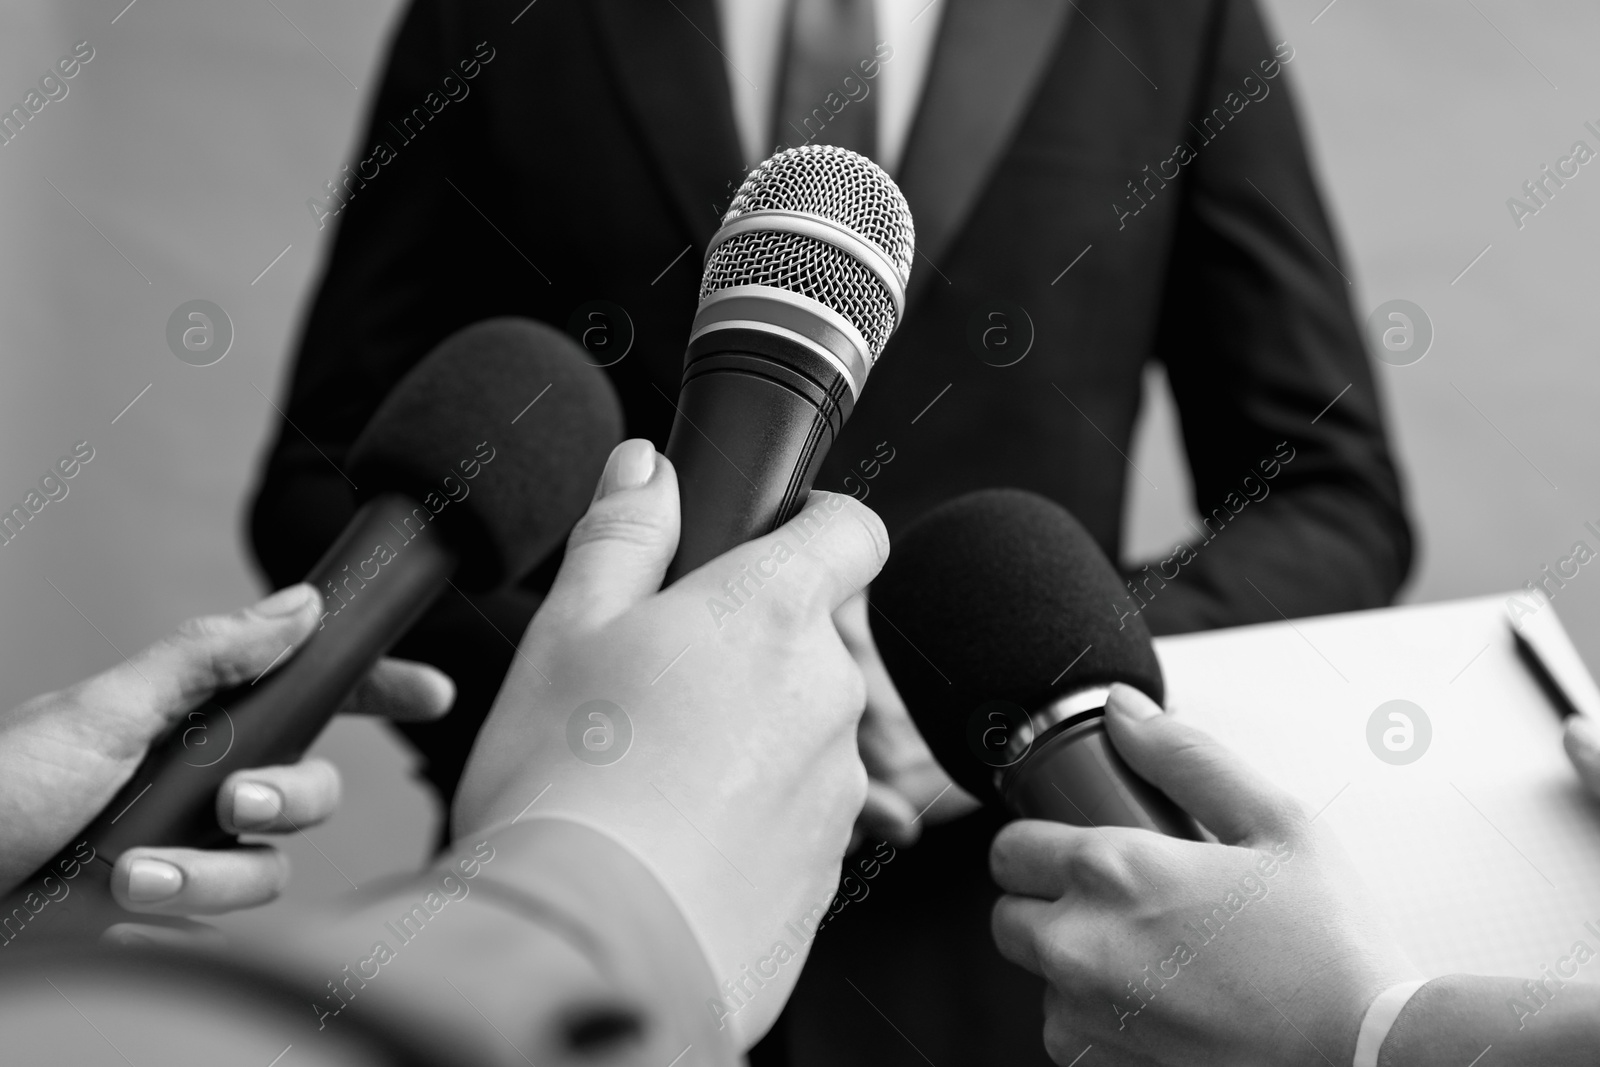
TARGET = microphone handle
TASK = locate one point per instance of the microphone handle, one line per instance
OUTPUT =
(1073, 775)
(757, 413)
(376, 580)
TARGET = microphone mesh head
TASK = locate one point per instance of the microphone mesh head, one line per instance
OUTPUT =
(848, 190)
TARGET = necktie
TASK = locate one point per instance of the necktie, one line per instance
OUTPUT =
(823, 98)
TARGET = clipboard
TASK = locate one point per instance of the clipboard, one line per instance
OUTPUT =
(1483, 848)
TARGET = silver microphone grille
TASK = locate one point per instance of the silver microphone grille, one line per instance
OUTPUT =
(825, 223)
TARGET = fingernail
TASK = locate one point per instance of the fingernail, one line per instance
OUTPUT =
(630, 466)
(152, 880)
(1133, 703)
(255, 805)
(126, 935)
(286, 601)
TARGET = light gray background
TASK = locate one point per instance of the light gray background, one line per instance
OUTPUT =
(193, 138)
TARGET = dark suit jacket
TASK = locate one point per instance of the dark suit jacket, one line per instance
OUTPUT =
(590, 156)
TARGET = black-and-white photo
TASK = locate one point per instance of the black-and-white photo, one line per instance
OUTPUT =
(799, 533)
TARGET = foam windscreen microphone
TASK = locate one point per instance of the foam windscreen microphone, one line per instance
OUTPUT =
(996, 618)
(803, 285)
(470, 472)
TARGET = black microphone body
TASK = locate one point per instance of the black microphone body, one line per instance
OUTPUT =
(438, 510)
(803, 285)
(369, 606)
(996, 618)
(776, 412)
(1073, 774)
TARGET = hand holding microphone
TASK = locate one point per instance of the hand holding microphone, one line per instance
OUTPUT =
(459, 486)
(731, 766)
(1175, 952)
(996, 618)
(718, 827)
(803, 286)
(63, 753)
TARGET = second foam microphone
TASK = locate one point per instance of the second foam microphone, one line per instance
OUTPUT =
(803, 286)
(996, 618)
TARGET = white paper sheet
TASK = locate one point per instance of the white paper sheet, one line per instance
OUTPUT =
(1485, 851)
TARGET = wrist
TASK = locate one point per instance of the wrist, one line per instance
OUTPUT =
(1329, 1030)
(1454, 1019)
(539, 927)
(1380, 1018)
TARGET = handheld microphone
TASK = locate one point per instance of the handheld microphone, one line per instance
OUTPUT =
(802, 288)
(995, 618)
(459, 483)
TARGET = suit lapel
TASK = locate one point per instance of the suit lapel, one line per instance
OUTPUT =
(669, 71)
(989, 59)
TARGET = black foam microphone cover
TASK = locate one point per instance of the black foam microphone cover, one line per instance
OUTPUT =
(521, 389)
(1001, 595)
(470, 471)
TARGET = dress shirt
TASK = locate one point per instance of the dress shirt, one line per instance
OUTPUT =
(752, 45)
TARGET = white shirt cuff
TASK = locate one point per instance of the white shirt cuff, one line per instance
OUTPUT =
(1379, 1020)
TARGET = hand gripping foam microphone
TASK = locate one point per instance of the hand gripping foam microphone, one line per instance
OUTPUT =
(460, 482)
(803, 286)
(996, 619)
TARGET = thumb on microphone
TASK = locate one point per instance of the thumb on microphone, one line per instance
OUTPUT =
(1200, 774)
(618, 552)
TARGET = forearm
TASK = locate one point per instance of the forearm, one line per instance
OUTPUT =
(502, 986)
(544, 941)
(1300, 506)
(1306, 551)
(1453, 1020)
